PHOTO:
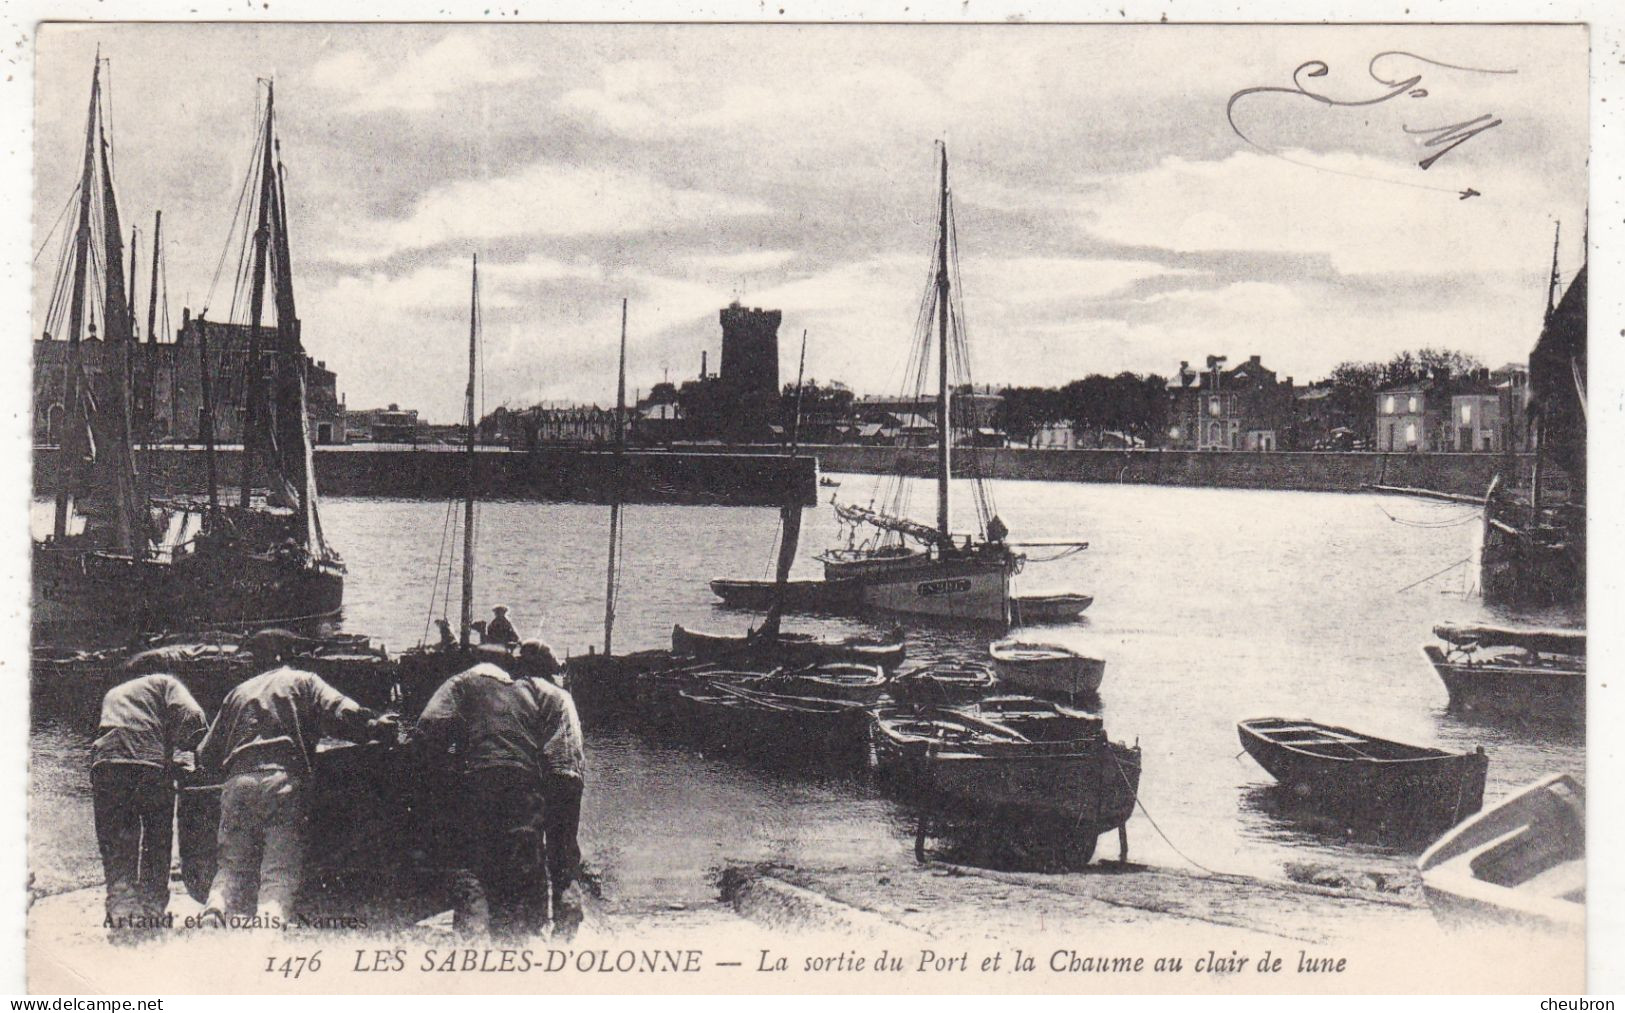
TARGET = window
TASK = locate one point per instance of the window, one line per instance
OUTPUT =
(1213, 433)
(1410, 434)
(1213, 407)
(1173, 432)
(1466, 414)
(1388, 405)
(1410, 405)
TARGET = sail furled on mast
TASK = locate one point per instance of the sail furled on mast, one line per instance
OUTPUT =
(1557, 369)
(277, 443)
(98, 479)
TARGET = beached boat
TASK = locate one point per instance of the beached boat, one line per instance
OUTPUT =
(964, 767)
(1046, 669)
(1342, 770)
(1531, 675)
(1038, 609)
(792, 648)
(943, 682)
(1519, 862)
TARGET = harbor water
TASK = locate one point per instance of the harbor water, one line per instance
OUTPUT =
(1210, 606)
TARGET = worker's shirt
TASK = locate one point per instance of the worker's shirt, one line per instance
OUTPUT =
(277, 719)
(145, 720)
(493, 720)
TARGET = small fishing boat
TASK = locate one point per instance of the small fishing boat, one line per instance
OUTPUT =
(1521, 862)
(797, 595)
(1038, 609)
(829, 483)
(841, 680)
(1525, 674)
(775, 727)
(1035, 719)
(792, 648)
(943, 682)
(1046, 669)
(1340, 769)
(964, 766)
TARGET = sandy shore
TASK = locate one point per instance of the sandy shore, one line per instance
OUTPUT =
(932, 926)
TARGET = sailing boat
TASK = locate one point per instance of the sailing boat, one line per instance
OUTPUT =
(770, 643)
(902, 565)
(1533, 553)
(117, 564)
(264, 559)
(426, 666)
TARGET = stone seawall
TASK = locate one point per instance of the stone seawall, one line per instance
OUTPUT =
(552, 473)
(1464, 474)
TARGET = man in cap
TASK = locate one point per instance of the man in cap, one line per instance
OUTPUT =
(514, 738)
(500, 629)
(144, 723)
(264, 741)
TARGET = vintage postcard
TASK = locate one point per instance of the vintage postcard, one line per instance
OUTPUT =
(837, 508)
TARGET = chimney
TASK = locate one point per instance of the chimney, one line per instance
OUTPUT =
(1254, 360)
(702, 364)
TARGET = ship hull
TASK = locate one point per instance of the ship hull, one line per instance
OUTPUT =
(976, 591)
(88, 598)
(1527, 564)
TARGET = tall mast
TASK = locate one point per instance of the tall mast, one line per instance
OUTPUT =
(152, 295)
(789, 515)
(944, 426)
(1553, 282)
(262, 234)
(150, 398)
(206, 419)
(615, 489)
(73, 422)
(468, 501)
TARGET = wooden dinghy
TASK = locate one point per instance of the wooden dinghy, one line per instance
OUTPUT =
(794, 731)
(1046, 669)
(792, 648)
(1038, 609)
(943, 682)
(835, 681)
(1522, 674)
(1521, 862)
(1345, 771)
(966, 767)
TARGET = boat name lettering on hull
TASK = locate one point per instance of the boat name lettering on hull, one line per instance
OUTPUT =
(931, 588)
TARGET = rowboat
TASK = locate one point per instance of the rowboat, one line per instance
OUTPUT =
(1036, 720)
(1521, 862)
(965, 766)
(1346, 771)
(835, 681)
(1048, 669)
(793, 730)
(1525, 674)
(792, 648)
(943, 682)
(1036, 609)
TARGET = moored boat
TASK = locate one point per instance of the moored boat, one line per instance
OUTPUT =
(1520, 862)
(777, 728)
(792, 648)
(1046, 669)
(1038, 609)
(943, 682)
(842, 680)
(1530, 675)
(1345, 771)
(964, 767)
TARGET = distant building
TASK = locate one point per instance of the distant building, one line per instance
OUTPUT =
(167, 402)
(750, 371)
(1511, 382)
(1413, 414)
(393, 424)
(970, 410)
(1245, 408)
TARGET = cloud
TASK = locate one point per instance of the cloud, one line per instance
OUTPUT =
(421, 79)
(1337, 205)
(544, 199)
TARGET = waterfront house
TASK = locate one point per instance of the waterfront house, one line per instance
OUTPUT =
(1244, 408)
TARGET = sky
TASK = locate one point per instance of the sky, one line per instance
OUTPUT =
(1109, 215)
